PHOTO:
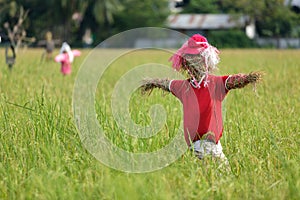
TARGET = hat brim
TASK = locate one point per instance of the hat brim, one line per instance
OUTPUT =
(193, 51)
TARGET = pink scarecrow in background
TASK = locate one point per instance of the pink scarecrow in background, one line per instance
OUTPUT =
(66, 57)
(201, 94)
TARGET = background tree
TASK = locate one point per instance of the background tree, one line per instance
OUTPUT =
(61, 17)
(202, 7)
(14, 21)
(272, 17)
(104, 10)
(144, 13)
(68, 19)
(7, 6)
(100, 17)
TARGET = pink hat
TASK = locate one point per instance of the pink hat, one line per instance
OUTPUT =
(197, 44)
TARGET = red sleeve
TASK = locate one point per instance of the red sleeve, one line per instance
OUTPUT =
(224, 79)
(221, 89)
(177, 87)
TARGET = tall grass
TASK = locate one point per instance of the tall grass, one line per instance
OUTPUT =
(42, 157)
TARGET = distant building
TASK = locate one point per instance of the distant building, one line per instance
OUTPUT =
(295, 5)
(190, 23)
(292, 2)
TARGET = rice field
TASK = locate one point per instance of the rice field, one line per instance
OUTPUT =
(42, 155)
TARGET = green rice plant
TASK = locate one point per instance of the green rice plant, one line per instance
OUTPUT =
(42, 156)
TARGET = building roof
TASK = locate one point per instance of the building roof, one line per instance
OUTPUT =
(292, 2)
(206, 21)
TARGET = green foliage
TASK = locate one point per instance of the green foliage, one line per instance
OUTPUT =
(8, 11)
(108, 17)
(105, 9)
(202, 7)
(272, 18)
(138, 13)
(103, 17)
(277, 21)
(254, 8)
(8, 7)
(230, 39)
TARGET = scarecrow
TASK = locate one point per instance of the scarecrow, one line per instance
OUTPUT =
(10, 56)
(66, 57)
(49, 46)
(201, 94)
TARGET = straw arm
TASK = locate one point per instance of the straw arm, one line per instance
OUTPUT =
(241, 80)
(149, 84)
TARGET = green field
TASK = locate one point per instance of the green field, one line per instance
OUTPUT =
(42, 157)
